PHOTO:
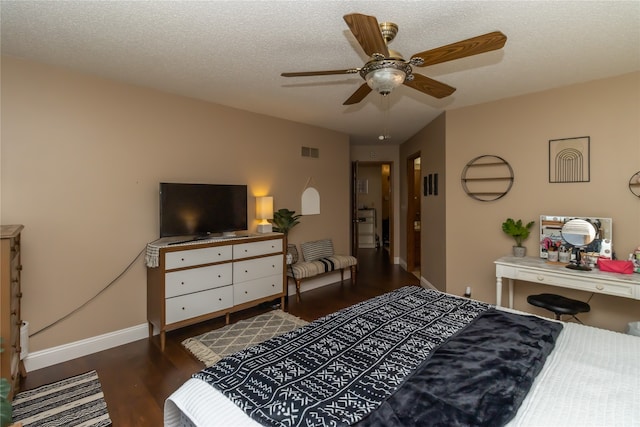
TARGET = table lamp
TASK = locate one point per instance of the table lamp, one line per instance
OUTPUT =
(264, 211)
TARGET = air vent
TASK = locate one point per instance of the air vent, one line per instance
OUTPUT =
(310, 152)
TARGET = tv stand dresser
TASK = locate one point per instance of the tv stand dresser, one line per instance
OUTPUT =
(192, 282)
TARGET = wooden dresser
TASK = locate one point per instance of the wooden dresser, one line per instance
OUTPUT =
(197, 282)
(11, 367)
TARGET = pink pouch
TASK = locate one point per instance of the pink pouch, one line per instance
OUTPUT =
(615, 266)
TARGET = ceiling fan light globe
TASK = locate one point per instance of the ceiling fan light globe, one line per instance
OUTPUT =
(384, 80)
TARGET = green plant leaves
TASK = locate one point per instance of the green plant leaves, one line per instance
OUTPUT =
(284, 220)
(517, 230)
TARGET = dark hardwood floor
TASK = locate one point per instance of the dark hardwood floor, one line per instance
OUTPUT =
(137, 377)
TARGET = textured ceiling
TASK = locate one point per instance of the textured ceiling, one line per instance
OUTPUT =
(232, 52)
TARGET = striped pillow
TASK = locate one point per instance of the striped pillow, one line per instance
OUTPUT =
(312, 251)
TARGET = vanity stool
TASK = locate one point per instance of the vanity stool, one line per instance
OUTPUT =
(559, 305)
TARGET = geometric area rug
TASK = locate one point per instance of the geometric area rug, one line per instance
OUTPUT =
(212, 346)
(75, 402)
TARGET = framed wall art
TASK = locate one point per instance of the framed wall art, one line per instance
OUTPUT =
(431, 184)
(569, 160)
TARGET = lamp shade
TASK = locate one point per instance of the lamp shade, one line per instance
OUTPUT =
(264, 211)
(264, 207)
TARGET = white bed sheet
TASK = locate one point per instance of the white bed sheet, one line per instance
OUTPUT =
(592, 378)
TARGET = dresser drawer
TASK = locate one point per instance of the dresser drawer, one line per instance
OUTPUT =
(257, 288)
(255, 268)
(247, 250)
(189, 258)
(197, 279)
(582, 283)
(197, 304)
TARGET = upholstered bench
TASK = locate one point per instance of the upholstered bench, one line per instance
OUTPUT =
(319, 258)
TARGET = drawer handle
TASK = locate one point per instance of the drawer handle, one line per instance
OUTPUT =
(219, 254)
(219, 299)
(246, 292)
(599, 287)
(246, 271)
(219, 276)
(183, 308)
(181, 259)
(540, 278)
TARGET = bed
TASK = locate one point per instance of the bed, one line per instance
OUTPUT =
(420, 357)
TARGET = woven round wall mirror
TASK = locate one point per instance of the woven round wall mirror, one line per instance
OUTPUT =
(634, 184)
(487, 178)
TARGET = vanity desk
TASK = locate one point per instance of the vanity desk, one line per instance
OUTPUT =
(538, 270)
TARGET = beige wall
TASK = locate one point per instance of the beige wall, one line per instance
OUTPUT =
(431, 143)
(81, 161)
(518, 130)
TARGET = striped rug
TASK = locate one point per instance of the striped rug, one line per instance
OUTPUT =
(73, 402)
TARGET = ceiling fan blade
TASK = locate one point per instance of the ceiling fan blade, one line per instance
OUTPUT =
(367, 31)
(320, 73)
(473, 46)
(358, 95)
(429, 86)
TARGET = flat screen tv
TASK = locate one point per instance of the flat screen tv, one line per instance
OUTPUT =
(202, 209)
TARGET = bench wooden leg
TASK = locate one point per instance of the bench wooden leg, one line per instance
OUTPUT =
(353, 274)
(298, 281)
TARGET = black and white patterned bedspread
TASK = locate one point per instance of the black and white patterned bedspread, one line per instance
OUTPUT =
(339, 368)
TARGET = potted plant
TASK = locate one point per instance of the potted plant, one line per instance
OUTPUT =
(519, 232)
(283, 221)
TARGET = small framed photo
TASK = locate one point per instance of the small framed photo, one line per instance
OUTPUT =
(569, 160)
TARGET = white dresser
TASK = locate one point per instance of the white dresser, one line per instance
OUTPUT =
(197, 282)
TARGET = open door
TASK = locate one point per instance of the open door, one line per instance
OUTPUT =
(354, 208)
(413, 214)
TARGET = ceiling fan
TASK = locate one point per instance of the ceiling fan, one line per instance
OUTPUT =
(387, 69)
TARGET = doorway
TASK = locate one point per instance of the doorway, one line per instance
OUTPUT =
(414, 226)
(372, 208)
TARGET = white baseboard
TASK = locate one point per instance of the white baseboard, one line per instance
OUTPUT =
(52, 356)
(63, 353)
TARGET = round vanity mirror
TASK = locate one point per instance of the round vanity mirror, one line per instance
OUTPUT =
(578, 232)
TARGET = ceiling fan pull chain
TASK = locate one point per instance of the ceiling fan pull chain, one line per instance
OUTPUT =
(386, 114)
